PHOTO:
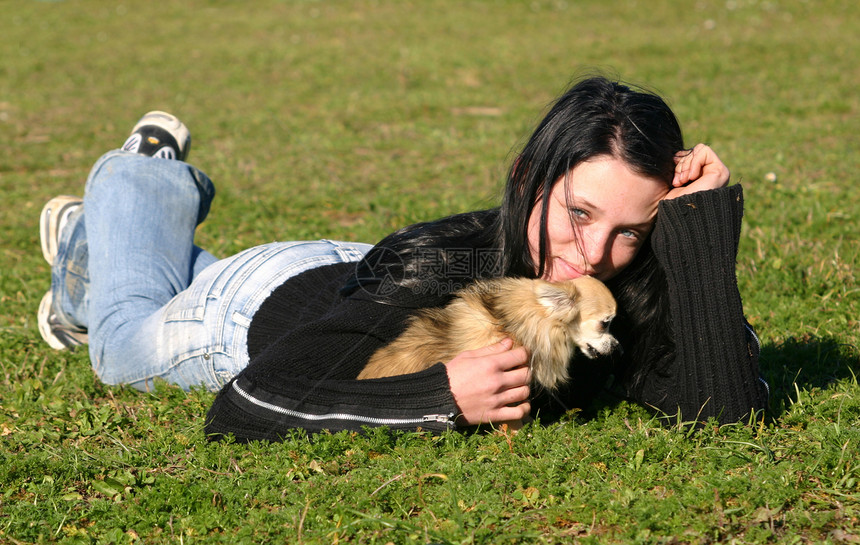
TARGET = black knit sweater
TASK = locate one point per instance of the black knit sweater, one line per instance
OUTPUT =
(307, 344)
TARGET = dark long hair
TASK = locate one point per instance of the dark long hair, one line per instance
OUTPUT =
(599, 117)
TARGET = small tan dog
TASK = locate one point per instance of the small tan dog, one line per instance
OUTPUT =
(550, 319)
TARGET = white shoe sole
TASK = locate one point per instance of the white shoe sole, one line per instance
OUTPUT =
(58, 338)
(50, 220)
(43, 319)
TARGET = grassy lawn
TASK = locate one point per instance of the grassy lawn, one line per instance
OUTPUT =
(346, 120)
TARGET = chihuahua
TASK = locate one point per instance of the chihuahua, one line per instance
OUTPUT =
(551, 320)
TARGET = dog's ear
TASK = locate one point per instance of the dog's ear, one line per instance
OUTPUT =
(558, 299)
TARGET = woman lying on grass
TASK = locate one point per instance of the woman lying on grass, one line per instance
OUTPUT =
(604, 187)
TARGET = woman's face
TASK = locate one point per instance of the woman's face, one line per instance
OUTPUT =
(597, 221)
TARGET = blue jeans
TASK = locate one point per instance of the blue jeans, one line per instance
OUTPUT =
(154, 304)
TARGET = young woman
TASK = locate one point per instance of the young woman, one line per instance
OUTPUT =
(604, 187)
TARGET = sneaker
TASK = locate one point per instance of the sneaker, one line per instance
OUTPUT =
(58, 335)
(159, 134)
(54, 217)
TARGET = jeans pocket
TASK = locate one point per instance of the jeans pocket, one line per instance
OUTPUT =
(196, 368)
(189, 305)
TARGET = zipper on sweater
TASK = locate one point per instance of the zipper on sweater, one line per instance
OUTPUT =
(448, 419)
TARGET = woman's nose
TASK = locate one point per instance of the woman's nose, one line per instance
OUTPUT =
(596, 248)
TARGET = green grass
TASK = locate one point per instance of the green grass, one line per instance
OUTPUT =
(349, 119)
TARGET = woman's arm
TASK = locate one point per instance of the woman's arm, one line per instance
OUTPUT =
(252, 409)
(257, 408)
(715, 368)
(306, 377)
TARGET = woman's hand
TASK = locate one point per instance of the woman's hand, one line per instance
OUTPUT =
(697, 170)
(491, 384)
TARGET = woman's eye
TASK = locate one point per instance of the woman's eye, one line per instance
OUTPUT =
(627, 233)
(578, 213)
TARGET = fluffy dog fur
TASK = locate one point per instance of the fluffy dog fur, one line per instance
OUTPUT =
(550, 319)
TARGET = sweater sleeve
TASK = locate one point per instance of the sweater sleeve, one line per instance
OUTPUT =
(306, 379)
(252, 409)
(715, 369)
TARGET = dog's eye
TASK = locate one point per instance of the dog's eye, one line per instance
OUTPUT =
(604, 325)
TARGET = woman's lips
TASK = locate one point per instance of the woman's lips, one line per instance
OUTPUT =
(562, 270)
